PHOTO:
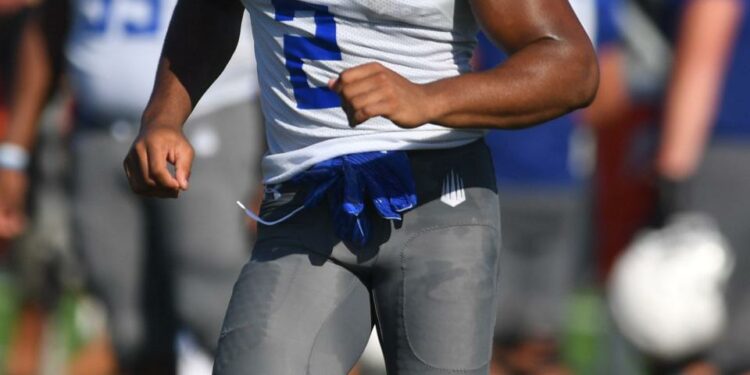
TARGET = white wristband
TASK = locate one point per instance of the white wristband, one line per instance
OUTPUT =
(13, 157)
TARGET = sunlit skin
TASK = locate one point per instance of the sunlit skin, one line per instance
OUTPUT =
(707, 35)
(552, 70)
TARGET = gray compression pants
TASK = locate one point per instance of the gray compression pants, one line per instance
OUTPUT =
(306, 303)
(159, 263)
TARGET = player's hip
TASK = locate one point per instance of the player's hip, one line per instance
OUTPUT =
(455, 190)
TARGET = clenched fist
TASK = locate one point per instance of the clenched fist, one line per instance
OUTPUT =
(372, 90)
(146, 162)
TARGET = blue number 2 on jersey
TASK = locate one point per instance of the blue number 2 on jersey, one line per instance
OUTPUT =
(321, 47)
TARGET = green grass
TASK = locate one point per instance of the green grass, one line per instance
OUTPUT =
(584, 338)
(590, 343)
(9, 309)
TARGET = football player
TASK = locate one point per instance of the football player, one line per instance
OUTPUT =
(381, 204)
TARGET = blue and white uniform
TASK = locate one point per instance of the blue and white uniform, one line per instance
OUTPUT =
(300, 46)
(113, 51)
(424, 272)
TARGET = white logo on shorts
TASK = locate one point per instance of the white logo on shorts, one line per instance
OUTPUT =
(453, 190)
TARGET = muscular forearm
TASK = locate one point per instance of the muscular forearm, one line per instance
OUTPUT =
(201, 39)
(544, 80)
(200, 42)
(706, 38)
(552, 70)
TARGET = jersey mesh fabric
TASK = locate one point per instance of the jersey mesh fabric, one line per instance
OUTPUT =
(422, 41)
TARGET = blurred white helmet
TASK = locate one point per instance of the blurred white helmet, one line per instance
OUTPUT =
(667, 290)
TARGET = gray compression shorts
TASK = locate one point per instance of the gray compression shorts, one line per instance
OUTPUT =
(306, 303)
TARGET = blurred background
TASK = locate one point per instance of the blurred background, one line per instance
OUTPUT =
(626, 235)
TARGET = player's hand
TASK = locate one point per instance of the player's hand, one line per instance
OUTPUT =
(13, 189)
(146, 163)
(372, 90)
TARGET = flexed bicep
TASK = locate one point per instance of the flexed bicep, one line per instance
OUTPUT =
(517, 24)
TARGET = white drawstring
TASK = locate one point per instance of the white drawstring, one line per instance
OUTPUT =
(257, 218)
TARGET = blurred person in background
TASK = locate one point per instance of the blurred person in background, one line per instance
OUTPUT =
(12, 16)
(28, 282)
(634, 55)
(157, 265)
(542, 189)
(678, 56)
(703, 158)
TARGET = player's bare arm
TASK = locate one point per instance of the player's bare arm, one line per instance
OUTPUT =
(38, 64)
(552, 70)
(202, 37)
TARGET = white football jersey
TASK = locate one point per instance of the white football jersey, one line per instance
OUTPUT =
(301, 45)
(586, 10)
(113, 51)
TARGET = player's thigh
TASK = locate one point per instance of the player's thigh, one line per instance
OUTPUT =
(436, 313)
(293, 312)
(435, 294)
